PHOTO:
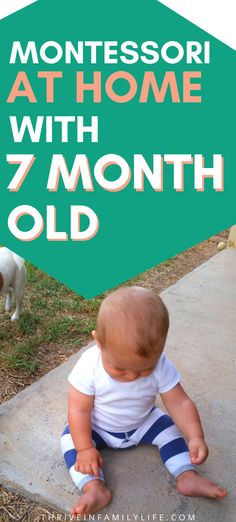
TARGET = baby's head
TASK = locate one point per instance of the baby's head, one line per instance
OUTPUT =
(132, 326)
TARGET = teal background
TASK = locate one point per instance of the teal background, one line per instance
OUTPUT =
(137, 230)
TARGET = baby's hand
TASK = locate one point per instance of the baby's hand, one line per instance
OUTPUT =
(198, 450)
(89, 461)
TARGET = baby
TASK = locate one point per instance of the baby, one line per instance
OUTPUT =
(112, 397)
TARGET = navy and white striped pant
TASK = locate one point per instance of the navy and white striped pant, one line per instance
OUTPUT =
(158, 430)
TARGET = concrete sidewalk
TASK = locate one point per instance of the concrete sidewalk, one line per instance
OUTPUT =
(202, 344)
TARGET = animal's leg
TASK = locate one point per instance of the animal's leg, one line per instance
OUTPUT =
(9, 299)
(19, 287)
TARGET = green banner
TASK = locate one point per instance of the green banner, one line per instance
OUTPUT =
(117, 138)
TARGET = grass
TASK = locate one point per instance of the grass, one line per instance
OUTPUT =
(168, 262)
(23, 356)
(54, 318)
(55, 322)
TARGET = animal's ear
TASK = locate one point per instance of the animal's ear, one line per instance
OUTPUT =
(1, 281)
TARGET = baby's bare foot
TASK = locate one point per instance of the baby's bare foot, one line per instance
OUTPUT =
(95, 497)
(191, 484)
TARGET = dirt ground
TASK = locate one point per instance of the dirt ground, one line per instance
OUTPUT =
(34, 347)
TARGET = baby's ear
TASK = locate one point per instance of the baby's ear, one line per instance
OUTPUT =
(95, 336)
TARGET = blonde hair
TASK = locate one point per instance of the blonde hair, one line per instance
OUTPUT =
(135, 318)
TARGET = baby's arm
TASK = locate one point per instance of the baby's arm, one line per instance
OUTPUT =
(185, 415)
(80, 407)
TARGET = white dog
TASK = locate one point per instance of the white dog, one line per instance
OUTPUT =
(12, 279)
